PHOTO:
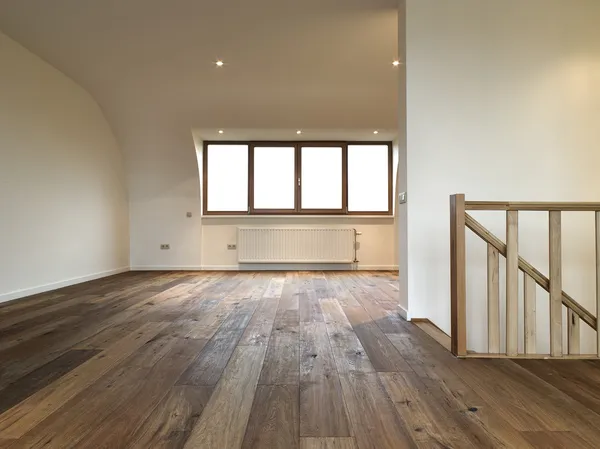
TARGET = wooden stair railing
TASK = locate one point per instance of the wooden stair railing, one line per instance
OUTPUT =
(459, 221)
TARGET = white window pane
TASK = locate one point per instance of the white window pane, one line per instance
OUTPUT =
(274, 177)
(368, 178)
(321, 178)
(227, 188)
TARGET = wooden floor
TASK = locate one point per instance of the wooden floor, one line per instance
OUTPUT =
(267, 360)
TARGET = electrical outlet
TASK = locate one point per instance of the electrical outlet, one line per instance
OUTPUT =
(231, 246)
(165, 246)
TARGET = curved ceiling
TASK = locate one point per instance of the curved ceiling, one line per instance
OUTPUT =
(319, 64)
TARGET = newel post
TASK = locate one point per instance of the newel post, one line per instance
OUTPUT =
(458, 277)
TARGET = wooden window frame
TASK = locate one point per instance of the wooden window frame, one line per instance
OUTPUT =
(252, 209)
(297, 211)
(205, 210)
(329, 144)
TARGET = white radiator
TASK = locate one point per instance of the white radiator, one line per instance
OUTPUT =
(295, 245)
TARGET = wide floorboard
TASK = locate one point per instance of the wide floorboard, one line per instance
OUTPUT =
(267, 360)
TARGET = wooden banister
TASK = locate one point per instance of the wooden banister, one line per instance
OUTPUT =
(458, 275)
(573, 332)
(529, 298)
(512, 283)
(532, 206)
(597, 279)
(460, 220)
(555, 285)
(493, 292)
(536, 275)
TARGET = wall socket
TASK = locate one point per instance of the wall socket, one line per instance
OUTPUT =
(165, 246)
(231, 246)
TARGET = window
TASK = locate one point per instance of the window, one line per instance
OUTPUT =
(321, 184)
(296, 178)
(226, 178)
(368, 172)
(274, 178)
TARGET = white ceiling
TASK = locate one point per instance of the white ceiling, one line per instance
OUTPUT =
(310, 64)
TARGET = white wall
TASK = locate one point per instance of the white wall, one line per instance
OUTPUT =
(376, 244)
(401, 180)
(503, 104)
(63, 199)
(164, 186)
(161, 198)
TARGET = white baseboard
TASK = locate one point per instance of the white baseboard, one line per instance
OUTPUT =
(167, 268)
(403, 313)
(257, 267)
(378, 267)
(16, 294)
(221, 268)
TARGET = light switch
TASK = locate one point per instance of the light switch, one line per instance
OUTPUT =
(402, 198)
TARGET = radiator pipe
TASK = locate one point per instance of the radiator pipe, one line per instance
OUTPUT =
(356, 233)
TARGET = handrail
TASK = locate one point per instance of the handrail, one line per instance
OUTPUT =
(532, 206)
(526, 267)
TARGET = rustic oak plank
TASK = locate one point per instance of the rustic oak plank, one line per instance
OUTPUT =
(375, 422)
(382, 353)
(86, 410)
(132, 401)
(171, 422)
(42, 377)
(580, 380)
(15, 422)
(348, 352)
(108, 336)
(525, 404)
(282, 363)
(109, 412)
(409, 397)
(448, 397)
(322, 407)
(275, 288)
(223, 422)
(9, 339)
(328, 443)
(43, 314)
(260, 327)
(383, 312)
(556, 440)
(210, 363)
(310, 309)
(128, 417)
(340, 291)
(273, 419)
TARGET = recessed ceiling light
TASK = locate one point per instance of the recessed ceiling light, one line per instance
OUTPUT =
(298, 132)
(221, 131)
(396, 63)
(375, 132)
(219, 63)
